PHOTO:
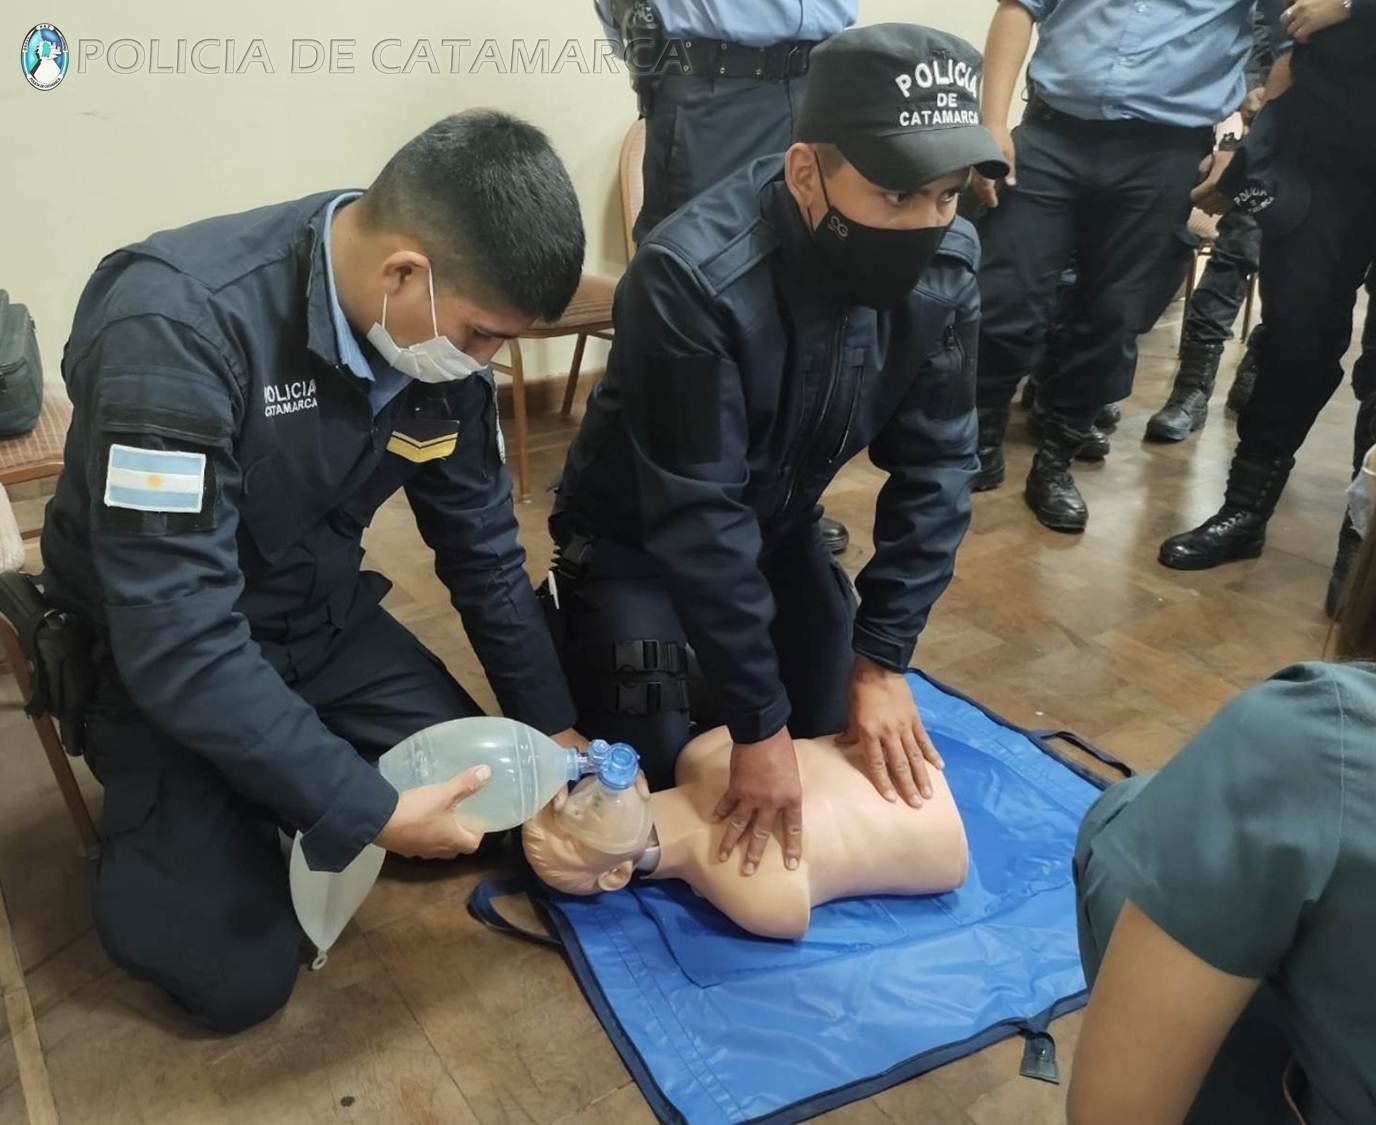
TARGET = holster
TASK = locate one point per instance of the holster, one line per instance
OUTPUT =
(571, 561)
(641, 32)
(57, 645)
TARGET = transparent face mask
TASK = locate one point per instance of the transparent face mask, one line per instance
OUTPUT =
(435, 360)
(607, 811)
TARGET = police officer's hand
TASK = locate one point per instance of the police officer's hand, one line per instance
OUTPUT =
(1305, 18)
(423, 825)
(885, 724)
(1251, 104)
(1206, 196)
(765, 791)
(987, 189)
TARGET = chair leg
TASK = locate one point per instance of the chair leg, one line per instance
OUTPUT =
(518, 408)
(1249, 307)
(571, 388)
(52, 748)
(71, 791)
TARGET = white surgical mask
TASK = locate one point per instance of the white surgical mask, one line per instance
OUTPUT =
(435, 360)
(1361, 496)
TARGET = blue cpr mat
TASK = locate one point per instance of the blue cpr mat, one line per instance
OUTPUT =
(719, 1027)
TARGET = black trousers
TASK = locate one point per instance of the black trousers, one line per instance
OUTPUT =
(1219, 296)
(622, 597)
(1244, 1082)
(1113, 195)
(191, 892)
(1309, 280)
(700, 130)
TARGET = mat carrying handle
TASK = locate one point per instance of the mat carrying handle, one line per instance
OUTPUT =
(482, 906)
(1102, 756)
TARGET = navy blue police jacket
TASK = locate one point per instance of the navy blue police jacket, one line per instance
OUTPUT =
(217, 340)
(737, 387)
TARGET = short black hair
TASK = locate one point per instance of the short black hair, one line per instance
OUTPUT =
(491, 205)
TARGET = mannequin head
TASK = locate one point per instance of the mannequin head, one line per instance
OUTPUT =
(569, 865)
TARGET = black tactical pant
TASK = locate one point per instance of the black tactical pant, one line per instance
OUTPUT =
(1244, 1083)
(1113, 195)
(700, 130)
(191, 892)
(622, 598)
(1233, 262)
(1309, 279)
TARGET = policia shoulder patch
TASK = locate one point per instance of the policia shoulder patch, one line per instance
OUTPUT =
(424, 439)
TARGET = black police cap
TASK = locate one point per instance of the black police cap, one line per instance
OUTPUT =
(901, 102)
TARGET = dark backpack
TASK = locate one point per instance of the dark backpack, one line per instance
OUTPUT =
(21, 371)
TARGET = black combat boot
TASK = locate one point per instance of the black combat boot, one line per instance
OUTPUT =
(993, 425)
(1238, 530)
(1051, 491)
(1108, 418)
(1097, 446)
(1187, 408)
(835, 537)
(1240, 393)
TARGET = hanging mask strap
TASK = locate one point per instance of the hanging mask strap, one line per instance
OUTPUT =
(430, 277)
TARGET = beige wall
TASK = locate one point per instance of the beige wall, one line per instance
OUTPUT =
(107, 157)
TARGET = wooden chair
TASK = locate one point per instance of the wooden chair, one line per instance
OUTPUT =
(38, 454)
(631, 172)
(11, 558)
(588, 314)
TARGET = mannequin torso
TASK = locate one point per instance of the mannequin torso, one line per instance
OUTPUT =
(855, 842)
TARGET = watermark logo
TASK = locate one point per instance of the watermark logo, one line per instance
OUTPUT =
(257, 56)
(44, 57)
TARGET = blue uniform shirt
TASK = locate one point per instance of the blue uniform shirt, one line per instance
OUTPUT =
(755, 24)
(1176, 62)
(391, 382)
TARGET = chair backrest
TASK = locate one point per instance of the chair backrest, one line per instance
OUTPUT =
(632, 181)
(38, 454)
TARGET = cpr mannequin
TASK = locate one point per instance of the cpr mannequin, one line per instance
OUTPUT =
(857, 843)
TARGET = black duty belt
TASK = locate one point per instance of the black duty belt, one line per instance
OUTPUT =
(711, 58)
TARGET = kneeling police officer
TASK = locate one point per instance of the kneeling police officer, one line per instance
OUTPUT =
(812, 305)
(248, 390)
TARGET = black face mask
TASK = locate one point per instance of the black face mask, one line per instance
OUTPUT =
(874, 266)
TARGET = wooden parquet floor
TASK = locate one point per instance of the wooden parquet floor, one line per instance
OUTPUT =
(424, 1016)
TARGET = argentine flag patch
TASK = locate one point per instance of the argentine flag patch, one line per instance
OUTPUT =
(154, 480)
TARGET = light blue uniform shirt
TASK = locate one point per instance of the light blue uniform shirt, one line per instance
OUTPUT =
(390, 382)
(752, 23)
(1177, 62)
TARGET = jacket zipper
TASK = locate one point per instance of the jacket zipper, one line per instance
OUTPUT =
(820, 416)
(850, 419)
